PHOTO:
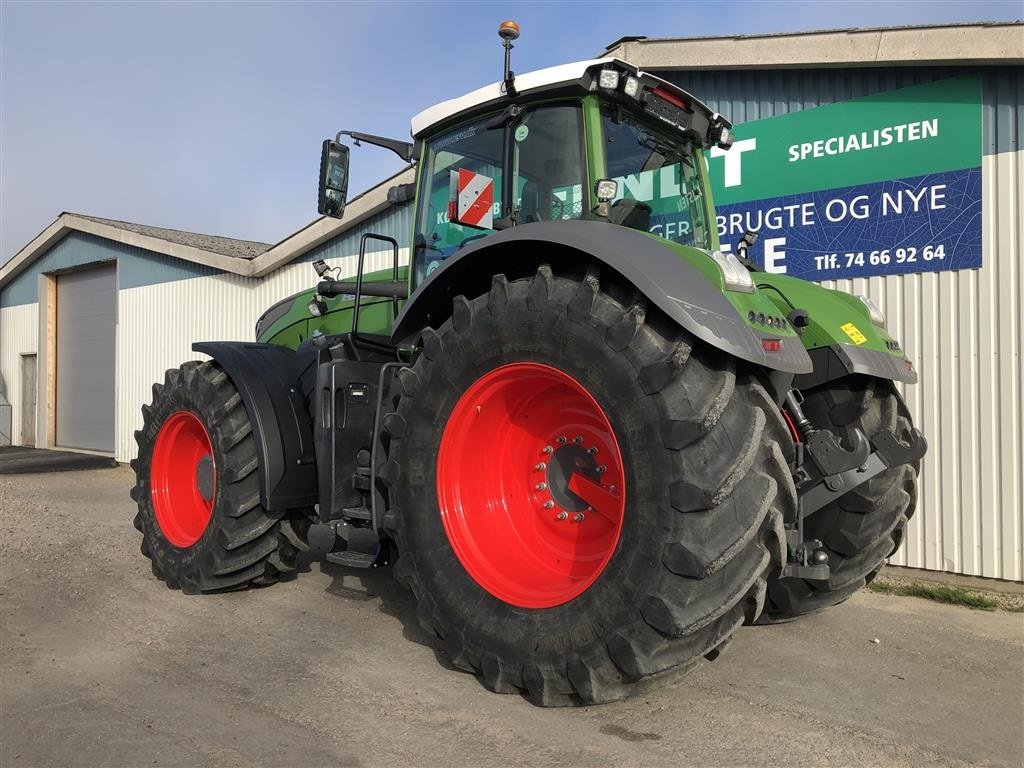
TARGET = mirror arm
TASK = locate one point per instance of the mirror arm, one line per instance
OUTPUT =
(404, 149)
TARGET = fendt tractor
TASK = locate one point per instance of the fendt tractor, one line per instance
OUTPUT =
(592, 440)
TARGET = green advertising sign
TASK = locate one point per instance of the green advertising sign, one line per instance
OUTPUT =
(880, 185)
(893, 135)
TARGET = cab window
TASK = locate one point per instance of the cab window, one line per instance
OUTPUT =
(547, 157)
(472, 147)
(545, 147)
(658, 174)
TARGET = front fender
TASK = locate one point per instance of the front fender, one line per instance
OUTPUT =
(674, 278)
(266, 377)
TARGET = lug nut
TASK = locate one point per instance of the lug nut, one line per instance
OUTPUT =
(562, 516)
(578, 517)
(561, 440)
(540, 486)
(547, 449)
(548, 504)
(578, 440)
(602, 469)
(592, 451)
(541, 467)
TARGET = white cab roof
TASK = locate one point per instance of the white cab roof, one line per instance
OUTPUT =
(541, 78)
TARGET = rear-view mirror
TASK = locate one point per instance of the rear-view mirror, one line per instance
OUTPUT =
(333, 179)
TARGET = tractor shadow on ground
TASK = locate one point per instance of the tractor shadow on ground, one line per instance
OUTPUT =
(362, 585)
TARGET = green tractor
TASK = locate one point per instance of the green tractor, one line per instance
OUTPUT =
(590, 441)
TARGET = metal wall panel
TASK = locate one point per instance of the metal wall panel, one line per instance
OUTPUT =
(19, 331)
(160, 322)
(962, 329)
(86, 306)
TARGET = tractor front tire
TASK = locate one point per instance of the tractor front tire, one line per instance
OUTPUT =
(861, 529)
(584, 498)
(197, 489)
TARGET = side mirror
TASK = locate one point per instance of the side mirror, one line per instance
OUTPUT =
(333, 179)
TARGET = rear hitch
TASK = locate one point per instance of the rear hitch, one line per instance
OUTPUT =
(807, 559)
(833, 471)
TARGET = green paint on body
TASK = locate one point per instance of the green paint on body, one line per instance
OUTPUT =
(830, 312)
(376, 315)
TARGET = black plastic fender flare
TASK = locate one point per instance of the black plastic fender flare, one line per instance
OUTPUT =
(267, 381)
(839, 360)
(676, 287)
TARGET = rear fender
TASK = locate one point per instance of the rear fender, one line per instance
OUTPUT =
(841, 338)
(266, 377)
(671, 277)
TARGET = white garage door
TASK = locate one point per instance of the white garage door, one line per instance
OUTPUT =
(86, 316)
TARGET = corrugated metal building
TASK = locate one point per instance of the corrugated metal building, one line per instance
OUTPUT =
(961, 328)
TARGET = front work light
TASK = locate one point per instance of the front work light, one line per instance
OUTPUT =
(734, 275)
(609, 78)
(721, 131)
(317, 308)
(876, 314)
(632, 87)
(606, 190)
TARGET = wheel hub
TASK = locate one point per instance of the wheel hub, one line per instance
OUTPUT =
(530, 485)
(204, 477)
(565, 462)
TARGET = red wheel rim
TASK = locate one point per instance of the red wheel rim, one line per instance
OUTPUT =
(530, 485)
(182, 479)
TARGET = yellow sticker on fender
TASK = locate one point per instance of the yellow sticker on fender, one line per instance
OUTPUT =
(854, 333)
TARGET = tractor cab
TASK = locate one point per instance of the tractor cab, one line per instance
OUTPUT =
(595, 139)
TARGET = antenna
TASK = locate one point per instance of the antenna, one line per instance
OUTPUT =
(509, 31)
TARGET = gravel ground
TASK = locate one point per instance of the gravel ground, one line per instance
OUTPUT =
(100, 664)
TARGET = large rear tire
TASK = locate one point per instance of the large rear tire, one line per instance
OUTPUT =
(861, 529)
(548, 378)
(197, 489)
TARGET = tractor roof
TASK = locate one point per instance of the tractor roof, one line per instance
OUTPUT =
(526, 83)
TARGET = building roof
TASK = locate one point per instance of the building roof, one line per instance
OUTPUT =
(226, 246)
(979, 42)
(248, 258)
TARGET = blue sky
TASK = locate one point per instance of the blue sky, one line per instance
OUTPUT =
(209, 116)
